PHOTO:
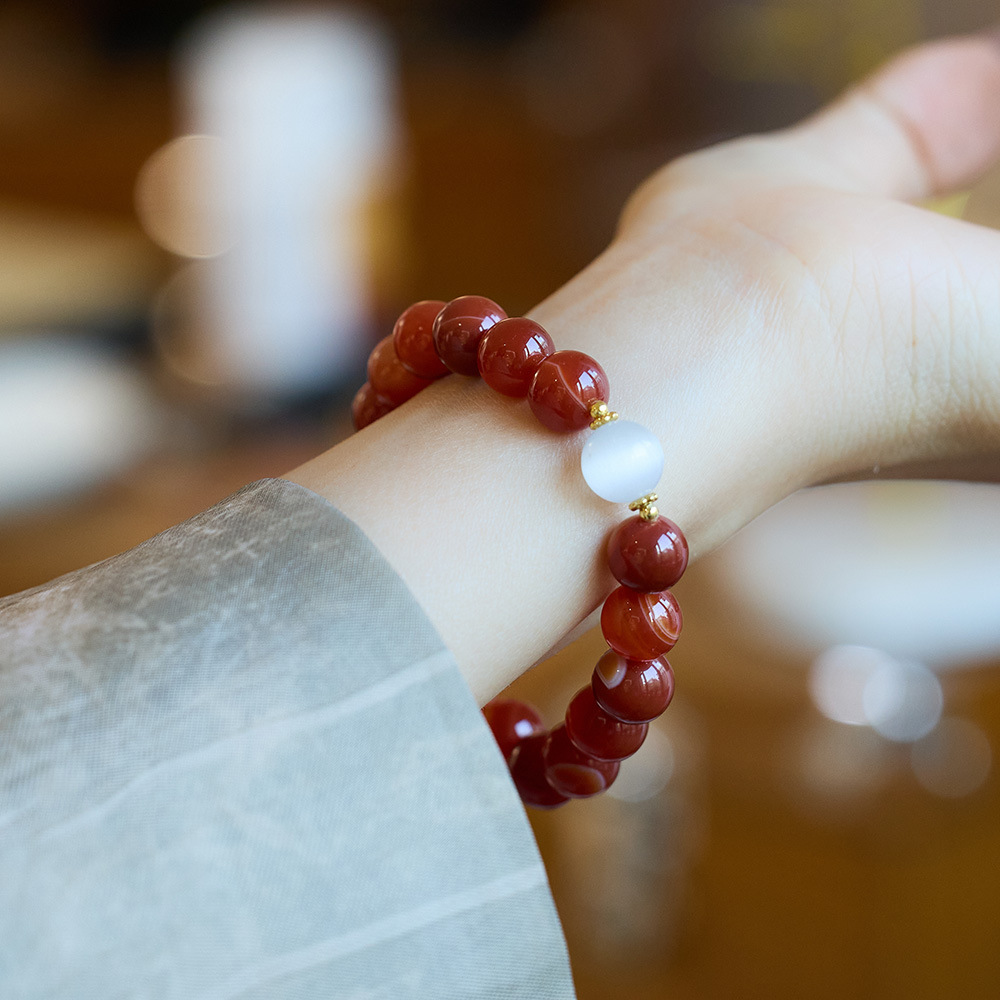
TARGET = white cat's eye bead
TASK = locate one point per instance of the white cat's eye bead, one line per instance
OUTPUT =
(622, 460)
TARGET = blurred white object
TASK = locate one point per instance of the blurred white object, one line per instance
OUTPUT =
(900, 699)
(174, 200)
(302, 104)
(903, 700)
(912, 569)
(70, 416)
(838, 679)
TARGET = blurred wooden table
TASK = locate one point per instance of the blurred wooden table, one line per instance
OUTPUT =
(65, 535)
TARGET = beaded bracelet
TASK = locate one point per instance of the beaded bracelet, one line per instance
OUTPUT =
(621, 461)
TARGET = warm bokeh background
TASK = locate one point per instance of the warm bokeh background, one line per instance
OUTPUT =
(773, 840)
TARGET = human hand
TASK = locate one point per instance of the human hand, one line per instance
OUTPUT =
(772, 308)
(884, 317)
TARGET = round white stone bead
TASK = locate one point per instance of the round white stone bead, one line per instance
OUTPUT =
(622, 461)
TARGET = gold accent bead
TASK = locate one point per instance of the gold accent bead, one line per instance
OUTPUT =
(643, 501)
(600, 414)
(646, 506)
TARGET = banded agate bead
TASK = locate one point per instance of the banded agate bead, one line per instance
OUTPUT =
(367, 407)
(647, 555)
(640, 626)
(459, 327)
(389, 378)
(527, 768)
(594, 732)
(510, 353)
(563, 387)
(573, 773)
(413, 338)
(632, 690)
(510, 722)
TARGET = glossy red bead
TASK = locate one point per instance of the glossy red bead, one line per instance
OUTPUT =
(632, 690)
(572, 772)
(563, 387)
(527, 768)
(458, 329)
(389, 378)
(511, 721)
(594, 732)
(647, 555)
(367, 406)
(640, 626)
(510, 352)
(413, 338)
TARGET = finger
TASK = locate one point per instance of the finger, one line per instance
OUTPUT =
(926, 123)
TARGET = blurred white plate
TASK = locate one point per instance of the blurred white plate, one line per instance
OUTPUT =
(912, 569)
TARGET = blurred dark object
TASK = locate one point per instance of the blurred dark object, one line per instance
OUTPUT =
(486, 21)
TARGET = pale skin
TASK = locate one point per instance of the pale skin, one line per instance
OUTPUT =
(775, 309)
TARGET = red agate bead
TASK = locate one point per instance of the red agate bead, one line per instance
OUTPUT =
(647, 555)
(640, 626)
(594, 732)
(527, 768)
(563, 387)
(571, 771)
(459, 327)
(413, 338)
(511, 721)
(510, 352)
(367, 406)
(388, 376)
(632, 690)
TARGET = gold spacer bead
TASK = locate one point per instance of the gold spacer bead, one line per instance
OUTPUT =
(643, 501)
(646, 506)
(600, 414)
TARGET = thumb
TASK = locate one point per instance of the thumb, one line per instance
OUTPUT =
(926, 123)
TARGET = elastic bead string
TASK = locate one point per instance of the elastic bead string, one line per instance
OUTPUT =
(632, 683)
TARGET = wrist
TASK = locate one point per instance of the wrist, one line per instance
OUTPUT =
(484, 513)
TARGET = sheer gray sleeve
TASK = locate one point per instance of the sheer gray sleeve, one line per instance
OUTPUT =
(237, 761)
